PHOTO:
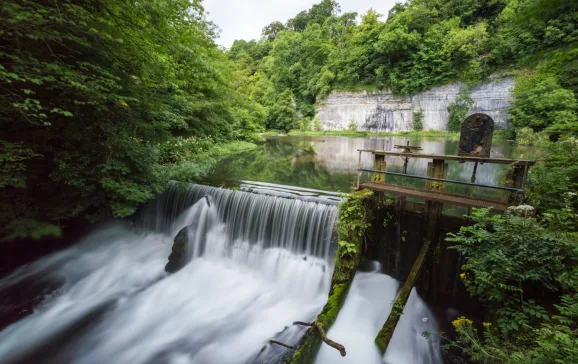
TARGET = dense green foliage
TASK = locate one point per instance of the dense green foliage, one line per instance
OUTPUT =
(103, 101)
(458, 110)
(90, 91)
(418, 120)
(524, 268)
(422, 43)
(543, 104)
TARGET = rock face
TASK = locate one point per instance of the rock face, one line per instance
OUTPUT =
(385, 112)
(178, 257)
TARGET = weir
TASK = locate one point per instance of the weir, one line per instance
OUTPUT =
(255, 264)
(245, 267)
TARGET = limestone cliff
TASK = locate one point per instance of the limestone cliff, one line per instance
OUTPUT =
(384, 111)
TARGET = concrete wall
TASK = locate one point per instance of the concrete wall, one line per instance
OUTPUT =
(385, 112)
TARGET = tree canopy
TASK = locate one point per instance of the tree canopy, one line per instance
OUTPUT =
(93, 92)
(88, 90)
(421, 44)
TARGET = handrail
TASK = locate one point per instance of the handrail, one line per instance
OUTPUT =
(458, 158)
(442, 180)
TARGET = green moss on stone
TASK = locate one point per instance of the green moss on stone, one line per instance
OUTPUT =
(354, 217)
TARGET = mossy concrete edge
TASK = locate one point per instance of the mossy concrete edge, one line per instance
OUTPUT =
(354, 215)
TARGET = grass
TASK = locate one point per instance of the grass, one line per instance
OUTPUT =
(350, 133)
(498, 134)
(225, 149)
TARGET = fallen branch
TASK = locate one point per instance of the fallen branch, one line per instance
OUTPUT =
(328, 341)
(273, 341)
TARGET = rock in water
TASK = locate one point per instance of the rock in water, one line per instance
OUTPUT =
(178, 257)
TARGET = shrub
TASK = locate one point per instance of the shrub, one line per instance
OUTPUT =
(317, 126)
(352, 126)
(527, 136)
(541, 103)
(515, 265)
(555, 177)
(458, 110)
(418, 119)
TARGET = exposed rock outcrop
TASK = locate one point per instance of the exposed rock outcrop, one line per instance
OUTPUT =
(384, 111)
(178, 257)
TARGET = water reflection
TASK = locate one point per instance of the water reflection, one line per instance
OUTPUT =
(330, 163)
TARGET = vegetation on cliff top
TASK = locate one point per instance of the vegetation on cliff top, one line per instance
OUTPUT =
(421, 44)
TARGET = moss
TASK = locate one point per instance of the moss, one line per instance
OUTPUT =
(353, 222)
(385, 334)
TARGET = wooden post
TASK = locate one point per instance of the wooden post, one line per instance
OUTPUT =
(358, 169)
(384, 336)
(378, 165)
(471, 189)
(436, 169)
(516, 177)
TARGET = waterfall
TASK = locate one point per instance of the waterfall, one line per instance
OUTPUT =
(257, 263)
(249, 220)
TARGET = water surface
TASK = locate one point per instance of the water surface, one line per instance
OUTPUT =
(330, 163)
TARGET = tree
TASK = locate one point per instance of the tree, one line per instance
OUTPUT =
(271, 31)
(316, 15)
(282, 114)
(88, 92)
(542, 104)
(418, 119)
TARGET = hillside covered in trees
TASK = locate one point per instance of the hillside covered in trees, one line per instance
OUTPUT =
(422, 43)
(103, 102)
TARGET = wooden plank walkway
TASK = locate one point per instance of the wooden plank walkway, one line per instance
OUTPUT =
(445, 198)
(458, 158)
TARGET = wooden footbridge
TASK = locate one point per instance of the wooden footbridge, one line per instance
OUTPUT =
(475, 145)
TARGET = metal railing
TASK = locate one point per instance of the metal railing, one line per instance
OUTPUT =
(438, 179)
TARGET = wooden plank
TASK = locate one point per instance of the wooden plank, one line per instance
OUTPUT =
(459, 158)
(442, 197)
(384, 336)
(378, 165)
(436, 169)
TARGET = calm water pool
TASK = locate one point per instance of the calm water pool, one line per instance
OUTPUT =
(330, 163)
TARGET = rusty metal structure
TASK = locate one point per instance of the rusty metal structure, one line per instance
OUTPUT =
(475, 146)
(476, 136)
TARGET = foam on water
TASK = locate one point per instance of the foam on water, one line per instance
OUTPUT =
(257, 263)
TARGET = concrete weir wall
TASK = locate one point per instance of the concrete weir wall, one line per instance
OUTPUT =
(385, 112)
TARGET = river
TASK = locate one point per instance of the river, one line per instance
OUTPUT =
(255, 265)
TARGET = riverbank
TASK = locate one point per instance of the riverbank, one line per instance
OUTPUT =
(191, 160)
(359, 133)
(498, 134)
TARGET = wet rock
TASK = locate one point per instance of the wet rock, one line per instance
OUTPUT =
(178, 257)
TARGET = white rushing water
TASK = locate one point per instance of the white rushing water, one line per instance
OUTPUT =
(257, 263)
(366, 308)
